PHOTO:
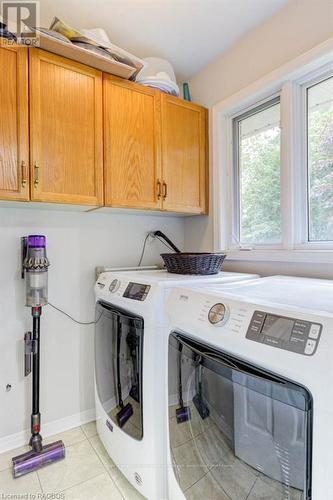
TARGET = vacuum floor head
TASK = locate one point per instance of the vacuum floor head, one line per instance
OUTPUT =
(32, 460)
(203, 410)
(183, 414)
(124, 414)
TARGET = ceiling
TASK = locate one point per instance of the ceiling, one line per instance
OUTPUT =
(189, 33)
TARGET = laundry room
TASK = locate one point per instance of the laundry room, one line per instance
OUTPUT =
(166, 222)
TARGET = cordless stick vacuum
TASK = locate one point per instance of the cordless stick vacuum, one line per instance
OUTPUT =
(34, 267)
(198, 400)
(183, 413)
(133, 346)
(126, 411)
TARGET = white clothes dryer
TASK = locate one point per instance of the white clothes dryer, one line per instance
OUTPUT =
(259, 422)
(130, 370)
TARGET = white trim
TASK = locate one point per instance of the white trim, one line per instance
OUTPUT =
(63, 424)
(273, 255)
(296, 70)
(290, 81)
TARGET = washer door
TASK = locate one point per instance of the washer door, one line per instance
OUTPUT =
(236, 432)
(118, 367)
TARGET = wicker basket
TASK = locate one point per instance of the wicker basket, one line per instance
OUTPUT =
(193, 263)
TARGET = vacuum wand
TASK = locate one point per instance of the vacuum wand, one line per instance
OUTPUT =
(36, 438)
(183, 413)
(35, 269)
(126, 411)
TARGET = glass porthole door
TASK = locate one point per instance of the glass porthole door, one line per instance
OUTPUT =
(236, 431)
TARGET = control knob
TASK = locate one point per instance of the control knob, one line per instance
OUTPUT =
(114, 285)
(218, 314)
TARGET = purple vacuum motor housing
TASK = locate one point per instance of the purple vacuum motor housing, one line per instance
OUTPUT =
(35, 264)
(36, 241)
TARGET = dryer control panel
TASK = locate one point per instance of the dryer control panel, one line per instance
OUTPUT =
(291, 334)
(136, 291)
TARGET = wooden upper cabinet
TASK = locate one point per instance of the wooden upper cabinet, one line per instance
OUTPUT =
(132, 170)
(155, 145)
(14, 125)
(66, 138)
(184, 156)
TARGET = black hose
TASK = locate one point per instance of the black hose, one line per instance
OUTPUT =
(162, 235)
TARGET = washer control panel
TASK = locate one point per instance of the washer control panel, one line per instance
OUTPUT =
(218, 314)
(291, 334)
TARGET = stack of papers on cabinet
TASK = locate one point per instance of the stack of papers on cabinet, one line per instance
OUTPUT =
(90, 47)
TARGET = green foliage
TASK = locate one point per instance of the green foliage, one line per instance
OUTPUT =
(259, 157)
(260, 187)
(320, 147)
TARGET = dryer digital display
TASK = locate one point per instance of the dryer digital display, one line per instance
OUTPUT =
(136, 291)
(291, 334)
(277, 327)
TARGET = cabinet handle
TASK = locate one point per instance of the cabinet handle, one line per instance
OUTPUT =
(36, 174)
(23, 173)
(165, 190)
(159, 190)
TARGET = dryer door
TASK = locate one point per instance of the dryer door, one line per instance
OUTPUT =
(118, 366)
(236, 432)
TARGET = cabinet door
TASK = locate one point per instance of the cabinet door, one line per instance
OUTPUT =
(132, 145)
(65, 130)
(14, 125)
(184, 156)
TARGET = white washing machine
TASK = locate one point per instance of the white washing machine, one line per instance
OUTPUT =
(130, 369)
(259, 423)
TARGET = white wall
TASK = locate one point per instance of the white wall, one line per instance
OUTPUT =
(291, 31)
(77, 242)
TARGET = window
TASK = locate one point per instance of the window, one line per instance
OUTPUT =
(257, 140)
(320, 160)
(273, 164)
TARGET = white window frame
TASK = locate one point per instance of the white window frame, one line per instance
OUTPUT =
(290, 82)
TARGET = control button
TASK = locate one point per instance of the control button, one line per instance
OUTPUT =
(314, 331)
(101, 285)
(303, 325)
(299, 332)
(254, 328)
(297, 339)
(272, 341)
(310, 346)
(259, 316)
(114, 285)
(217, 314)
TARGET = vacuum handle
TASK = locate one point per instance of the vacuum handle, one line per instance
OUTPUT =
(27, 353)
(168, 241)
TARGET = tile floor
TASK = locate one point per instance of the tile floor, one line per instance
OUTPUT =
(87, 473)
(206, 467)
(204, 464)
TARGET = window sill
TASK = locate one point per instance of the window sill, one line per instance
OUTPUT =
(314, 256)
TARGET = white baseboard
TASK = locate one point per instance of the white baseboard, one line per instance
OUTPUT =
(63, 424)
